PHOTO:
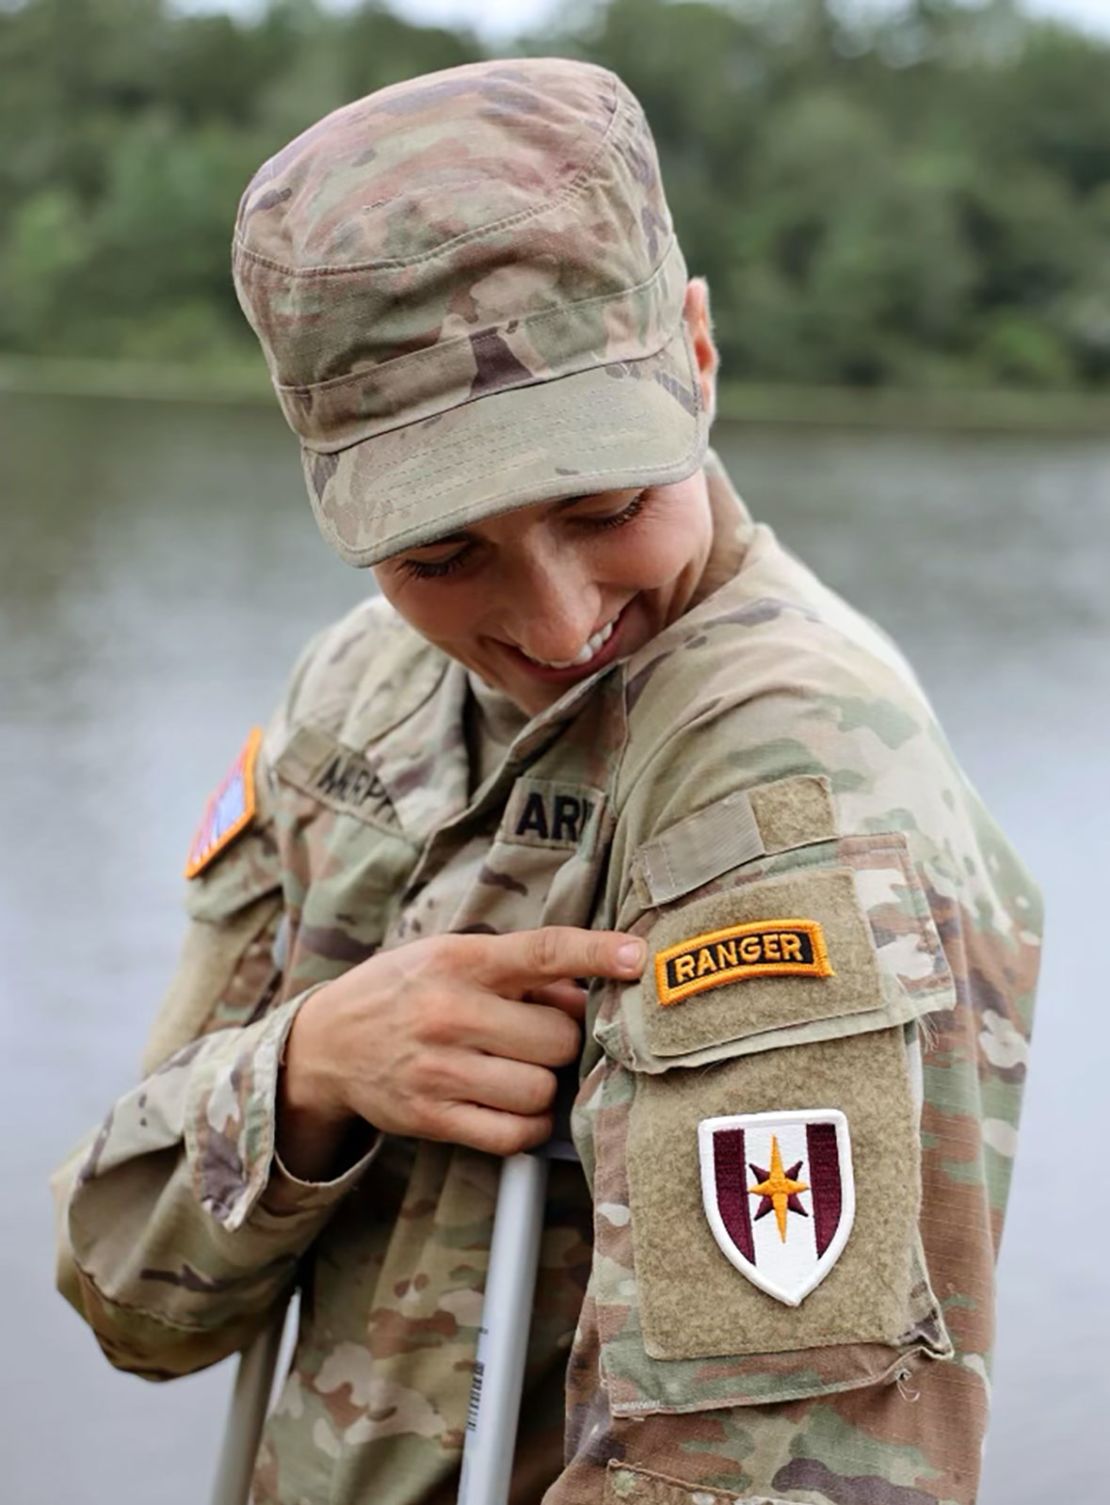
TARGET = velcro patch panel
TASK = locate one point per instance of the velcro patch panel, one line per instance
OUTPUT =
(767, 955)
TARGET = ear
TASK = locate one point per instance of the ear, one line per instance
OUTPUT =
(695, 312)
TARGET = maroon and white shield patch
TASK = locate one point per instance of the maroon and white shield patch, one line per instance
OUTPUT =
(779, 1195)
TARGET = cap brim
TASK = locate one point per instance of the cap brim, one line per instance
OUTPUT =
(633, 423)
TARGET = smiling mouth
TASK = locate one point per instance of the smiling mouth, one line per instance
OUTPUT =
(590, 649)
(596, 649)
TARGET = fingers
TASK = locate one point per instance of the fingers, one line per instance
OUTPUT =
(535, 1033)
(554, 953)
(515, 1087)
(490, 1131)
(566, 995)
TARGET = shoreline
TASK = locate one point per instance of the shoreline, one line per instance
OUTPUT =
(957, 410)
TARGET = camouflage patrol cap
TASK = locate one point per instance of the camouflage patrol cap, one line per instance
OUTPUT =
(469, 294)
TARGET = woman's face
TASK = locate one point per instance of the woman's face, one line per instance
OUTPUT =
(542, 597)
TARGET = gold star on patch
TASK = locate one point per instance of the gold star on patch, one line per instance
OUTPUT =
(778, 1188)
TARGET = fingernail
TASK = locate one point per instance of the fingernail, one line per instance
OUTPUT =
(631, 955)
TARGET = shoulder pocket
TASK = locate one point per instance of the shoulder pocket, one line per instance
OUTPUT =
(885, 964)
(247, 869)
(786, 988)
(624, 1482)
(228, 971)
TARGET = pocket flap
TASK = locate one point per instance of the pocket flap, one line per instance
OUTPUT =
(835, 941)
(767, 956)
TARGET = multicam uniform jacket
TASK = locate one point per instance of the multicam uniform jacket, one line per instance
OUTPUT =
(836, 929)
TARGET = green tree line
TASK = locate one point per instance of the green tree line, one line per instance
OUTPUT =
(920, 200)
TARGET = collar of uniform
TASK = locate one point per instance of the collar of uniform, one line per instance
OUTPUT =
(492, 721)
(502, 719)
(733, 530)
(543, 728)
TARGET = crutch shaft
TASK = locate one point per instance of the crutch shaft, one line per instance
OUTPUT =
(503, 1342)
(249, 1399)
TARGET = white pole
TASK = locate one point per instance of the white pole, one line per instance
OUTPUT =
(249, 1400)
(503, 1338)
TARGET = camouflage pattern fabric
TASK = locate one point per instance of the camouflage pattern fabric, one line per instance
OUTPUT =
(770, 736)
(496, 232)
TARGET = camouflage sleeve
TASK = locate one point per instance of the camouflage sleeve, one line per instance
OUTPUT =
(798, 1127)
(178, 1228)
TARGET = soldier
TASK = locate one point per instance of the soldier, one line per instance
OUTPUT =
(598, 725)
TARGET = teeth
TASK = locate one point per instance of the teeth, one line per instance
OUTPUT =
(585, 653)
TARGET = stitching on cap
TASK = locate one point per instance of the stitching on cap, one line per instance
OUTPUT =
(397, 544)
(537, 381)
(577, 183)
(361, 556)
(415, 357)
(510, 443)
(575, 186)
(426, 193)
(490, 453)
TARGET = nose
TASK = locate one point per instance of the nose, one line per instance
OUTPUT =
(554, 607)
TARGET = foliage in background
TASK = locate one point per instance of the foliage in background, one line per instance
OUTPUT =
(921, 201)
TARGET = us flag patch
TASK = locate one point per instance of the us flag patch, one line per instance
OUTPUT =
(229, 811)
(779, 1195)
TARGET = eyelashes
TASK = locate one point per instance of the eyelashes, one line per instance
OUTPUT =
(618, 520)
(423, 569)
(419, 569)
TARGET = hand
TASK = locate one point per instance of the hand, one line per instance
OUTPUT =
(455, 1038)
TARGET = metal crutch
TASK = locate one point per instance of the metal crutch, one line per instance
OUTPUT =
(250, 1398)
(494, 1411)
(254, 1378)
(495, 1395)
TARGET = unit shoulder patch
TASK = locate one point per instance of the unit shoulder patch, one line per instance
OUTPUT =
(230, 809)
(761, 948)
(779, 1195)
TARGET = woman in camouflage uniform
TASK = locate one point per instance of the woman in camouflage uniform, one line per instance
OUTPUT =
(598, 725)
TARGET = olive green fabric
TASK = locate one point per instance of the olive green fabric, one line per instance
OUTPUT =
(694, 1303)
(643, 1488)
(699, 848)
(216, 963)
(750, 1005)
(745, 825)
(793, 812)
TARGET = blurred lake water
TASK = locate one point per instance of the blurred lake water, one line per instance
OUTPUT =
(159, 571)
